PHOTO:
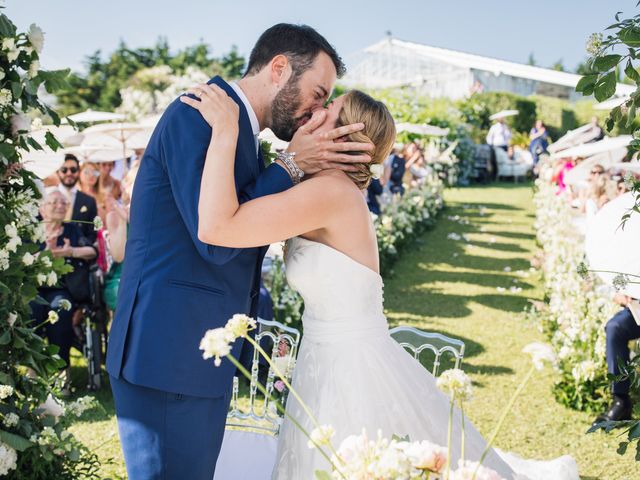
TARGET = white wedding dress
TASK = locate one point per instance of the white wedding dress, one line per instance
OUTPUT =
(353, 375)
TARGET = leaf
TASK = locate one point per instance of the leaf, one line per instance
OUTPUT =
(605, 86)
(54, 80)
(15, 441)
(16, 88)
(622, 448)
(35, 145)
(52, 141)
(606, 62)
(631, 72)
(634, 431)
(630, 36)
(586, 84)
(5, 338)
(7, 28)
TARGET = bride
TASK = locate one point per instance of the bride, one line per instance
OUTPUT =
(349, 371)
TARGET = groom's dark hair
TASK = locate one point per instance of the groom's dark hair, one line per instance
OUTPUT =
(301, 44)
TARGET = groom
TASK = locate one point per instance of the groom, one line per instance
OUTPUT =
(170, 403)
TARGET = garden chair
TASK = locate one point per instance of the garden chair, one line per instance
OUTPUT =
(416, 341)
(253, 425)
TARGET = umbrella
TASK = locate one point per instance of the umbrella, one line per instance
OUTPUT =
(608, 144)
(610, 248)
(65, 134)
(422, 129)
(91, 116)
(42, 162)
(98, 153)
(609, 104)
(503, 114)
(569, 139)
(607, 159)
(633, 167)
(121, 132)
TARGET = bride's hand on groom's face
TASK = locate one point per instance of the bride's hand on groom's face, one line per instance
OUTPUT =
(216, 107)
(318, 149)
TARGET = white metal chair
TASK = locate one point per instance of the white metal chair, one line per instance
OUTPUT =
(416, 341)
(254, 427)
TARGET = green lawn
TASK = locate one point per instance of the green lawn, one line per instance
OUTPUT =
(451, 286)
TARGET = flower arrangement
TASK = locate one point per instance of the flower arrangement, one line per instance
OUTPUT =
(34, 442)
(576, 309)
(360, 458)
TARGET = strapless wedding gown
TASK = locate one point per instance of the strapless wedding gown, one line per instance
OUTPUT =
(353, 375)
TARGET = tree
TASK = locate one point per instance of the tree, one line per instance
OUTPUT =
(558, 65)
(531, 60)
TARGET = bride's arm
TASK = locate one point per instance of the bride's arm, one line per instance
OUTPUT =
(222, 220)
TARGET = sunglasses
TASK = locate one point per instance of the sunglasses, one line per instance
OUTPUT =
(91, 173)
(596, 172)
(64, 170)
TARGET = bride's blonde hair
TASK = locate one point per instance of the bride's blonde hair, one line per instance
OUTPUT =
(379, 129)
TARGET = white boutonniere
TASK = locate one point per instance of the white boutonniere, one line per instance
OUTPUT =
(83, 209)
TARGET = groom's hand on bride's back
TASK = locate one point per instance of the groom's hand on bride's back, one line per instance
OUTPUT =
(318, 149)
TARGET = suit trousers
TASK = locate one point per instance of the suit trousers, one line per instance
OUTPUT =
(168, 436)
(620, 330)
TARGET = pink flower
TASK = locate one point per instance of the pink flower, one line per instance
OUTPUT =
(426, 456)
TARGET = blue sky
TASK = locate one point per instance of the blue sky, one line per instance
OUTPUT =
(509, 30)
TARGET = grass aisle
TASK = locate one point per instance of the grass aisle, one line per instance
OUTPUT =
(471, 290)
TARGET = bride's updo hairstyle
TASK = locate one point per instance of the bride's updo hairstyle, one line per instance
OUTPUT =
(379, 129)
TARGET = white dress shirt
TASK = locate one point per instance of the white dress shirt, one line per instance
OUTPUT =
(255, 126)
(499, 135)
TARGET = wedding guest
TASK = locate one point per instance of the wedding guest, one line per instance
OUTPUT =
(373, 190)
(596, 192)
(595, 133)
(620, 330)
(66, 240)
(82, 207)
(499, 135)
(560, 170)
(539, 141)
(108, 184)
(621, 187)
(396, 169)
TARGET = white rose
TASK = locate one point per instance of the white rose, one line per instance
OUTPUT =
(36, 37)
(8, 43)
(13, 243)
(8, 459)
(321, 436)
(4, 259)
(52, 279)
(426, 456)
(11, 319)
(33, 70)
(5, 391)
(53, 317)
(28, 259)
(41, 278)
(46, 261)
(20, 123)
(11, 230)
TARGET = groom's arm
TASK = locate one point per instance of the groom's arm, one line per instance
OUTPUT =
(184, 143)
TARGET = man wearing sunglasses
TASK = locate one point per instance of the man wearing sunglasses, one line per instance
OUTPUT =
(82, 207)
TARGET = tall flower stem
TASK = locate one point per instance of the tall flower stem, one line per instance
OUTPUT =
(449, 431)
(505, 412)
(281, 409)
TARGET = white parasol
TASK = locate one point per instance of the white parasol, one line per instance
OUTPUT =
(608, 144)
(503, 114)
(608, 159)
(42, 162)
(570, 139)
(422, 129)
(610, 248)
(93, 116)
(98, 153)
(65, 134)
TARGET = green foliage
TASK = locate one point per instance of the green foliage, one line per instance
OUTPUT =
(99, 88)
(28, 366)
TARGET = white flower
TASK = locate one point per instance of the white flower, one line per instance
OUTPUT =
(65, 304)
(41, 278)
(629, 180)
(585, 371)
(97, 223)
(8, 459)
(467, 471)
(36, 37)
(426, 456)
(52, 279)
(239, 325)
(11, 420)
(5, 391)
(456, 383)
(11, 319)
(540, 353)
(46, 261)
(321, 436)
(376, 169)
(4, 259)
(11, 230)
(36, 124)
(5, 97)
(8, 43)
(80, 406)
(51, 407)
(28, 259)
(216, 343)
(13, 243)
(594, 43)
(19, 124)
(53, 317)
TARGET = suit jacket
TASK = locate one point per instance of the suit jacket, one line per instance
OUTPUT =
(85, 209)
(175, 287)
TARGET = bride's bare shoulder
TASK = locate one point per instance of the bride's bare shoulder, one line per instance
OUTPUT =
(334, 182)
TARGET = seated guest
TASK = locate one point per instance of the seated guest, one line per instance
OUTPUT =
(64, 239)
(82, 207)
(539, 141)
(373, 190)
(620, 330)
(596, 195)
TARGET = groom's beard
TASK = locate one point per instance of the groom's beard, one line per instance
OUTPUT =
(283, 109)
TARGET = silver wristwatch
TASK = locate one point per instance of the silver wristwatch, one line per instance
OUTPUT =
(288, 158)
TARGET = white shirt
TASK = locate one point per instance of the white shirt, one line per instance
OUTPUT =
(499, 135)
(255, 126)
(69, 193)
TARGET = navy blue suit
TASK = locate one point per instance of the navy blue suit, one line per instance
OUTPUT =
(620, 330)
(173, 288)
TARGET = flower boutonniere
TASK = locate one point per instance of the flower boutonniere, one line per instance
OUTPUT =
(83, 209)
